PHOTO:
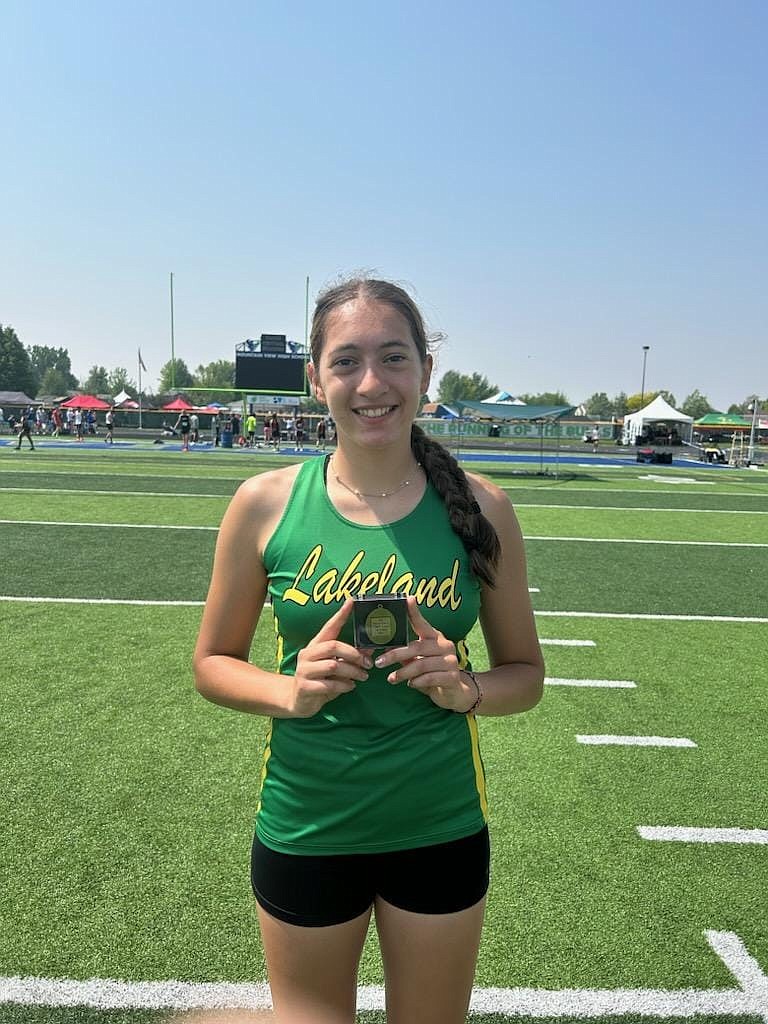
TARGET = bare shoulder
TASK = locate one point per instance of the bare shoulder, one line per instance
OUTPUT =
(493, 501)
(260, 501)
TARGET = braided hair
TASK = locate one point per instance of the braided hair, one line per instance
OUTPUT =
(475, 531)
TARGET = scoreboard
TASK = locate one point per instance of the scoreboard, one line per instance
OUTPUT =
(265, 367)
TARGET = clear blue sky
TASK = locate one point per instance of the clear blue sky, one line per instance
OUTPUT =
(560, 182)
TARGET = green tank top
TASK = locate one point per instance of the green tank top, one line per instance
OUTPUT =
(380, 768)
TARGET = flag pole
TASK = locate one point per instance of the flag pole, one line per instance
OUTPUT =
(139, 354)
(306, 317)
(173, 357)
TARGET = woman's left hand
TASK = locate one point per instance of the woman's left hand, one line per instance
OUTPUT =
(429, 664)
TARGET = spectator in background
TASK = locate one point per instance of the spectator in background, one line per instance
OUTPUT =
(274, 431)
(26, 425)
(194, 427)
(109, 420)
(183, 424)
(321, 433)
(299, 429)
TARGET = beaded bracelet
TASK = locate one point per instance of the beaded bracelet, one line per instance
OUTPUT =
(478, 699)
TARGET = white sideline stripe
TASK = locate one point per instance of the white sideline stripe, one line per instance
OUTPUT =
(581, 540)
(568, 643)
(608, 684)
(642, 616)
(534, 590)
(742, 965)
(633, 540)
(679, 834)
(115, 526)
(626, 490)
(636, 741)
(101, 600)
(748, 1000)
(113, 494)
(635, 508)
(586, 615)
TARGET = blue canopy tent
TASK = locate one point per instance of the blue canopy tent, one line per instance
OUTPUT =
(540, 414)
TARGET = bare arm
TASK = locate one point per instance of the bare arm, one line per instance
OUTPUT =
(514, 681)
(326, 667)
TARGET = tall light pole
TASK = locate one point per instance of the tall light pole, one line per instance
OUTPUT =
(755, 413)
(642, 386)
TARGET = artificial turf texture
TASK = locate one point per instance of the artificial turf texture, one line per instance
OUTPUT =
(130, 800)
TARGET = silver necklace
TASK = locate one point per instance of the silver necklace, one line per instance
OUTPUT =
(362, 494)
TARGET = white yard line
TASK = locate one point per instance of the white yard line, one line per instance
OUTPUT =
(635, 741)
(100, 600)
(624, 490)
(647, 617)
(106, 526)
(634, 540)
(113, 494)
(587, 615)
(739, 961)
(680, 834)
(636, 508)
(578, 540)
(747, 1000)
(567, 643)
(606, 684)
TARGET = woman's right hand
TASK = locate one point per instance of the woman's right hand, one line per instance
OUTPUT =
(327, 667)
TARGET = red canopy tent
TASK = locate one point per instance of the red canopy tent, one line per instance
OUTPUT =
(178, 404)
(85, 402)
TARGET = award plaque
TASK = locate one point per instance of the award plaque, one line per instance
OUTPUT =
(380, 621)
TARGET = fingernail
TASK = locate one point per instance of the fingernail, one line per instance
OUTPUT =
(367, 662)
(380, 661)
(392, 677)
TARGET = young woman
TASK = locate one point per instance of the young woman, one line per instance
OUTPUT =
(373, 792)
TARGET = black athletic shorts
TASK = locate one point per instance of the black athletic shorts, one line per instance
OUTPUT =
(316, 891)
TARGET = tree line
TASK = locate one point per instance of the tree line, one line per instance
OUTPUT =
(42, 370)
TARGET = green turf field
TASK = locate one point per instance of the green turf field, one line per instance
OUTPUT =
(129, 801)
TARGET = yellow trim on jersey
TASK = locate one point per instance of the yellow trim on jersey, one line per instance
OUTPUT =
(474, 738)
(267, 755)
(478, 763)
(278, 642)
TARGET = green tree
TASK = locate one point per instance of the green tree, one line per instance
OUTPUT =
(457, 386)
(545, 398)
(599, 406)
(118, 380)
(175, 376)
(620, 404)
(638, 401)
(45, 358)
(219, 374)
(96, 383)
(696, 405)
(16, 370)
(56, 382)
(311, 406)
(745, 408)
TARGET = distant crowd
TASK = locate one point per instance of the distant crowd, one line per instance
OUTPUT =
(226, 428)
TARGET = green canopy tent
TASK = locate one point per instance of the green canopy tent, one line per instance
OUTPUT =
(724, 421)
(540, 414)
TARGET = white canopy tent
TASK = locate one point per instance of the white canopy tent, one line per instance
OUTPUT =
(503, 397)
(658, 411)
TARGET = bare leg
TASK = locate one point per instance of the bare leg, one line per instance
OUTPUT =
(313, 971)
(429, 963)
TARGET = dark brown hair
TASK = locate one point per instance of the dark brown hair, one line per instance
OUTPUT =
(442, 470)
